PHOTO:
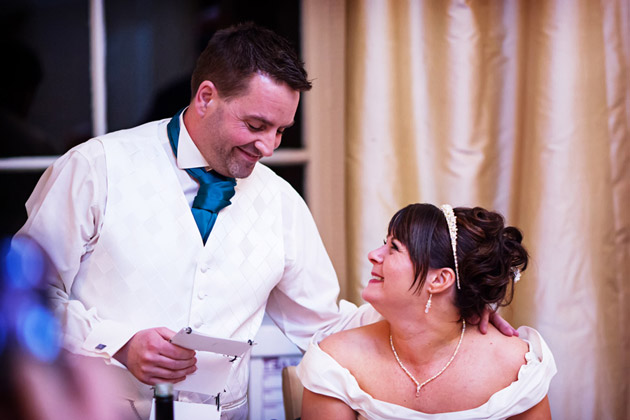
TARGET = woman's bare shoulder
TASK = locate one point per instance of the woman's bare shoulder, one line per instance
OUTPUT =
(505, 354)
(490, 362)
(512, 349)
(345, 345)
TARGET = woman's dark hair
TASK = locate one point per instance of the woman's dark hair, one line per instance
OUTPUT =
(487, 252)
(234, 54)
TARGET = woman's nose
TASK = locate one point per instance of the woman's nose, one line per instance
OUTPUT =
(376, 256)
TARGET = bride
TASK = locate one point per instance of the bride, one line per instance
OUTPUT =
(437, 269)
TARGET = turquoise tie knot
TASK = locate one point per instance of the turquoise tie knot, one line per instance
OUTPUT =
(215, 190)
(214, 193)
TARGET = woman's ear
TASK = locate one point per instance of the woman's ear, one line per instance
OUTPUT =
(205, 97)
(441, 279)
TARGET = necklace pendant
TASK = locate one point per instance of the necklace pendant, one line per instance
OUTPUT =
(418, 384)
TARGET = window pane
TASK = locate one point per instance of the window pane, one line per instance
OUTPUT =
(45, 97)
(15, 189)
(294, 174)
(46, 93)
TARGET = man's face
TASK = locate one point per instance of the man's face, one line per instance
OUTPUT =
(242, 129)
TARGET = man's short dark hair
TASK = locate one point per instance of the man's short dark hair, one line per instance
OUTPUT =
(234, 54)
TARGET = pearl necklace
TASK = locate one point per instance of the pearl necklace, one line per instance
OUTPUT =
(418, 384)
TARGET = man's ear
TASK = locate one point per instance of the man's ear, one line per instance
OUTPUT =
(206, 96)
(440, 279)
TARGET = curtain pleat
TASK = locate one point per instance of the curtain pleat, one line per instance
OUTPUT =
(522, 107)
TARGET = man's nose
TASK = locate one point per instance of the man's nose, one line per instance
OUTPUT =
(266, 143)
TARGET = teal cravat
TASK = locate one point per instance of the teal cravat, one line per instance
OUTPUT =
(215, 190)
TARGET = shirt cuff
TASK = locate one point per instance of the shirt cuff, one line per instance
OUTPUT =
(106, 339)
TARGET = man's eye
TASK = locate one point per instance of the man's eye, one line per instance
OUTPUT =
(254, 128)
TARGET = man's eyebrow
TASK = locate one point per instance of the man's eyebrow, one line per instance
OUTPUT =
(267, 122)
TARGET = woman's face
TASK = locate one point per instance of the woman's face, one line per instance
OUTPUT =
(392, 274)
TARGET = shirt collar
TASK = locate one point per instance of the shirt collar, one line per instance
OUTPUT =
(188, 155)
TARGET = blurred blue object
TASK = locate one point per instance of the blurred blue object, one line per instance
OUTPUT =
(26, 323)
(38, 331)
(24, 263)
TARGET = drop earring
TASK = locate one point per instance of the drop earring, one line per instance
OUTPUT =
(428, 305)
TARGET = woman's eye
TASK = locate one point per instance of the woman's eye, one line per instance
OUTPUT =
(394, 246)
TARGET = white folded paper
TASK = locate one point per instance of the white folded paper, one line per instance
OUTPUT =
(186, 337)
(214, 360)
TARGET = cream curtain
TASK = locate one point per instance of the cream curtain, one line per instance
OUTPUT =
(518, 106)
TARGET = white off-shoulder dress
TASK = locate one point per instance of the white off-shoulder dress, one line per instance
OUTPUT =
(320, 373)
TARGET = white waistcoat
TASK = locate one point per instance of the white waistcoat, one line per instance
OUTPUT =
(150, 261)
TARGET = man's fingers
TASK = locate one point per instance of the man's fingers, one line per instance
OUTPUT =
(165, 333)
(483, 322)
(171, 374)
(150, 356)
(176, 352)
(491, 316)
(151, 362)
(172, 350)
(175, 364)
(155, 374)
(503, 326)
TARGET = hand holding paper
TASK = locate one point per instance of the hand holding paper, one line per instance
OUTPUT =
(151, 358)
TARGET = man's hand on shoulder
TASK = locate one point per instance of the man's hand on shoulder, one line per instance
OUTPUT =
(501, 324)
(152, 359)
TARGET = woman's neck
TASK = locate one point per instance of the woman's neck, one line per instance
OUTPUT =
(424, 338)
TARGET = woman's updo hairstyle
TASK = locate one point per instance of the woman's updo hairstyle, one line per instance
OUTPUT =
(488, 252)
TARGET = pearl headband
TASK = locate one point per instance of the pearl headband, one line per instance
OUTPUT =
(451, 221)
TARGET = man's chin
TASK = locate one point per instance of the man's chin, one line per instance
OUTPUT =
(241, 170)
